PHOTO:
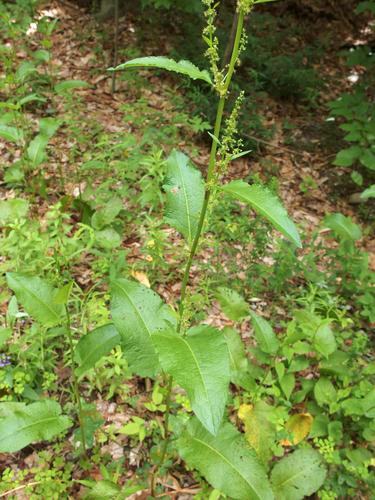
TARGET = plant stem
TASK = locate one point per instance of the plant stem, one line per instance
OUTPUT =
(211, 164)
(211, 171)
(75, 383)
(166, 436)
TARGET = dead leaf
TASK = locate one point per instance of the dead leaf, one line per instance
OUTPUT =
(299, 425)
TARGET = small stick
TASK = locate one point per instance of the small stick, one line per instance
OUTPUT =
(115, 56)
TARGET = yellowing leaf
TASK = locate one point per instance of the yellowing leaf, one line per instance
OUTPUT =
(299, 425)
(142, 278)
(259, 431)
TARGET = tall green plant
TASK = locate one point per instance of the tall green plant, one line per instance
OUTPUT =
(198, 358)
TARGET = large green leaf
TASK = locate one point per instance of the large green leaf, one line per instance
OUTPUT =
(226, 461)
(40, 421)
(93, 346)
(137, 313)
(36, 296)
(298, 475)
(343, 227)
(185, 193)
(199, 362)
(161, 62)
(267, 204)
(264, 334)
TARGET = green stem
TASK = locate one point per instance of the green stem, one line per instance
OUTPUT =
(75, 383)
(211, 171)
(211, 165)
(166, 436)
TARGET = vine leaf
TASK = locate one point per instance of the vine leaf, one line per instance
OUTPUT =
(226, 461)
(267, 204)
(162, 62)
(23, 425)
(199, 362)
(93, 346)
(298, 475)
(137, 314)
(36, 296)
(185, 193)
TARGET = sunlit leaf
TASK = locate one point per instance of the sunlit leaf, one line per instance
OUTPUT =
(264, 334)
(161, 62)
(231, 302)
(267, 204)
(343, 226)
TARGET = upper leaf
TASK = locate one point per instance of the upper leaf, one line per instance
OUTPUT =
(226, 461)
(36, 151)
(185, 194)
(161, 62)
(93, 346)
(267, 204)
(343, 226)
(199, 363)
(39, 421)
(36, 296)
(137, 313)
(264, 334)
(298, 475)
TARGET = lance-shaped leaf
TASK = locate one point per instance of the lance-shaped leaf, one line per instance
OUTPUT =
(226, 461)
(267, 204)
(37, 297)
(298, 475)
(11, 134)
(161, 62)
(36, 151)
(239, 364)
(185, 193)
(264, 334)
(40, 421)
(93, 346)
(343, 227)
(199, 362)
(138, 313)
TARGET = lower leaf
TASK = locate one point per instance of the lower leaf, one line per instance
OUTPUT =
(226, 461)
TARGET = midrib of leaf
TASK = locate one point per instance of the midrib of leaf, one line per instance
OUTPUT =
(346, 231)
(39, 300)
(223, 457)
(265, 338)
(29, 426)
(199, 371)
(186, 202)
(263, 209)
(283, 483)
(138, 314)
